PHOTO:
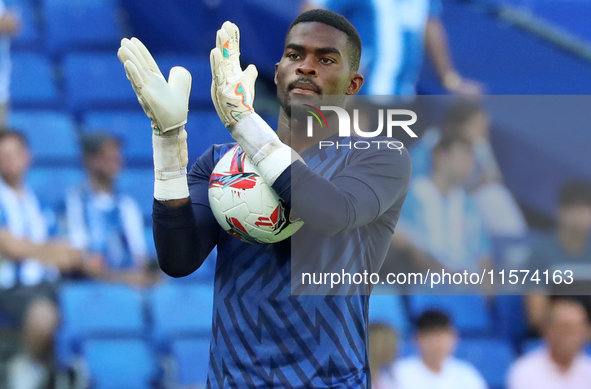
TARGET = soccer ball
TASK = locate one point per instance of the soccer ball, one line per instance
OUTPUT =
(244, 205)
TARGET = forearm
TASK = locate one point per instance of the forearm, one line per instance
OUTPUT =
(325, 204)
(437, 48)
(485, 158)
(181, 244)
(175, 203)
(134, 277)
(19, 249)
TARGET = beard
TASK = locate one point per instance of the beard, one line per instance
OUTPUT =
(284, 102)
(285, 99)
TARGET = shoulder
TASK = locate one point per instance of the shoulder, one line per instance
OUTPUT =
(388, 155)
(463, 367)
(585, 361)
(31, 197)
(423, 189)
(526, 365)
(405, 366)
(467, 373)
(205, 164)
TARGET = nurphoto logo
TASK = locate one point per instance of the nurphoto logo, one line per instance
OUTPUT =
(402, 118)
(345, 121)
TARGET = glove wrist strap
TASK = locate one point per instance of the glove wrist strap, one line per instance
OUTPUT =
(262, 145)
(171, 158)
(171, 189)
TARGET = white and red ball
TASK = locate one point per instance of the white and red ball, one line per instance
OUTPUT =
(244, 204)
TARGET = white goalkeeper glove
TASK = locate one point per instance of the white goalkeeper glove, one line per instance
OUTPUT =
(167, 105)
(232, 92)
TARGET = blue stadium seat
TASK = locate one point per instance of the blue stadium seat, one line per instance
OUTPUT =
(181, 310)
(510, 317)
(201, 71)
(96, 25)
(97, 310)
(51, 135)
(204, 129)
(51, 184)
(139, 184)
(97, 81)
(32, 83)
(390, 310)
(132, 127)
(468, 313)
(118, 364)
(492, 358)
(191, 361)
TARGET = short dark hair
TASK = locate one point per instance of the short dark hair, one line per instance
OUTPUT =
(433, 320)
(575, 193)
(447, 143)
(92, 144)
(13, 133)
(582, 301)
(339, 22)
(458, 115)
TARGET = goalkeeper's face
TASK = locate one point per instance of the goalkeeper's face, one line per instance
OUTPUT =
(315, 62)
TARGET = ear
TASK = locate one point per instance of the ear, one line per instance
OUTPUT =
(276, 67)
(355, 84)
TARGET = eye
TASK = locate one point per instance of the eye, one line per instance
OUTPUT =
(326, 61)
(293, 56)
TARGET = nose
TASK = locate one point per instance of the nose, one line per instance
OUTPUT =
(306, 68)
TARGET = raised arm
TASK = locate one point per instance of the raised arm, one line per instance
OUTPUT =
(185, 235)
(370, 184)
(183, 230)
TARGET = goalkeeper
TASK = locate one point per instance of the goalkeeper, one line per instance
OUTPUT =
(263, 336)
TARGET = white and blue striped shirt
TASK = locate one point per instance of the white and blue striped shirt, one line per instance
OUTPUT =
(107, 224)
(448, 227)
(21, 215)
(392, 33)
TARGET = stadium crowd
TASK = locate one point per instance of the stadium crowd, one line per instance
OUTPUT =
(457, 212)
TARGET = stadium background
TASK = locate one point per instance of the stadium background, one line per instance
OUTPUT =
(68, 81)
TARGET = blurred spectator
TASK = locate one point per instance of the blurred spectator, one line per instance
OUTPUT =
(8, 26)
(29, 267)
(394, 35)
(502, 216)
(436, 368)
(440, 225)
(569, 247)
(382, 351)
(97, 218)
(562, 364)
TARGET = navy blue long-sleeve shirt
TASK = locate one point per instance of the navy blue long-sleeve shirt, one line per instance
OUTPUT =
(263, 335)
